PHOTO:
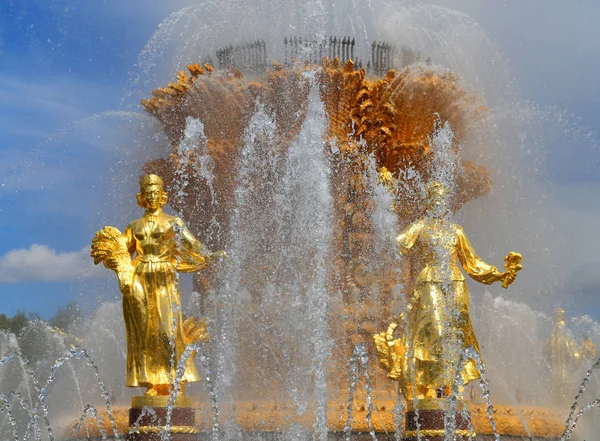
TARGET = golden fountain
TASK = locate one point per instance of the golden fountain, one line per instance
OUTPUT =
(386, 120)
(391, 118)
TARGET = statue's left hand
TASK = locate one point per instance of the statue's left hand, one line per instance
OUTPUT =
(508, 278)
(219, 255)
(512, 265)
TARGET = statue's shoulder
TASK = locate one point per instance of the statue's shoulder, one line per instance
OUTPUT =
(419, 224)
(173, 220)
(458, 229)
(134, 224)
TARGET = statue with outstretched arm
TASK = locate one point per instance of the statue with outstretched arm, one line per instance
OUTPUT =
(422, 349)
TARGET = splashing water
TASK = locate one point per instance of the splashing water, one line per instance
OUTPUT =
(194, 150)
(570, 424)
(359, 361)
(444, 164)
(470, 352)
(32, 407)
(305, 233)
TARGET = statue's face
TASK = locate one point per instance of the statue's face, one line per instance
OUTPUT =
(437, 202)
(152, 195)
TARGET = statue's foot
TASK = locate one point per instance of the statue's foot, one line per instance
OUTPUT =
(151, 392)
(443, 391)
(423, 392)
(163, 389)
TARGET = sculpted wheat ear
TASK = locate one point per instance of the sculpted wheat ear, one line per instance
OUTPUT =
(110, 243)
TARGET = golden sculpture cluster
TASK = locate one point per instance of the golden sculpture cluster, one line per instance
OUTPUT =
(160, 245)
(391, 119)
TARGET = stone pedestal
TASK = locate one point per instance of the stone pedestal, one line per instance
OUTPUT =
(148, 417)
(431, 418)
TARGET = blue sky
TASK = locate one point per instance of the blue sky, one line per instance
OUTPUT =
(61, 62)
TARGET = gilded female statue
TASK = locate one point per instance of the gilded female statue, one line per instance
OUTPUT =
(566, 357)
(146, 258)
(435, 328)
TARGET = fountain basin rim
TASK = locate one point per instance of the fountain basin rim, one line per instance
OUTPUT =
(160, 401)
(434, 404)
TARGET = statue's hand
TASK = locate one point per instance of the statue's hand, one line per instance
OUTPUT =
(512, 265)
(219, 255)
(389, 334)
(508, 278)
(111, 263)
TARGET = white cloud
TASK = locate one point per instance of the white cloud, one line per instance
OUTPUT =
(41, 263)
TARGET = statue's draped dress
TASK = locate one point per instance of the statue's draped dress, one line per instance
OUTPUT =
(437, 317)
(160, 245)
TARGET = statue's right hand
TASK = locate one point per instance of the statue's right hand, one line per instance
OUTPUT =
(111, 263)
(389, 334)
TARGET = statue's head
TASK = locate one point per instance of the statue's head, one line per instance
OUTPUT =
(559, 316)
(436, 197)
(152, 194)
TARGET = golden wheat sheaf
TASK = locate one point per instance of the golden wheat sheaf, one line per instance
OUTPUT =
(195, 330)
(110, 247)
(391, 352)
